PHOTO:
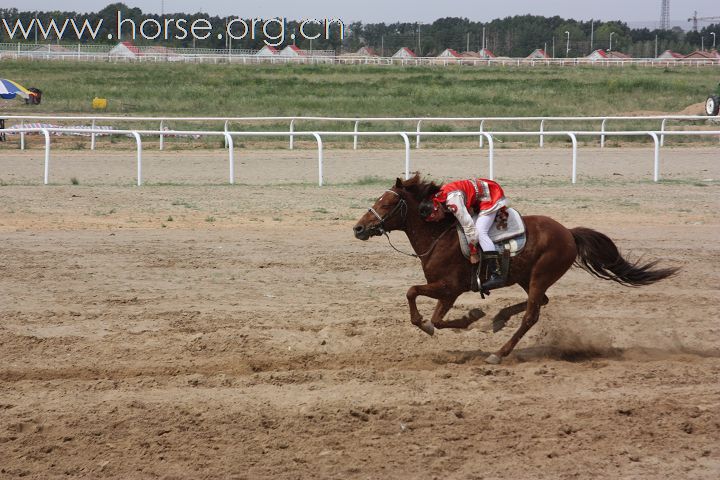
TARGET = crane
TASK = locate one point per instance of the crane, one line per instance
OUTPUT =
(695, 19)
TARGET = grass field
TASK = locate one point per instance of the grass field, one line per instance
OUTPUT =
(220, 90)
(364, 91)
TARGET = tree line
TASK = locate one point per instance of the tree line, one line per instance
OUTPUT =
(515, 36)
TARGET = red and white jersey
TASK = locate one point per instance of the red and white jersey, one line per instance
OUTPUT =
(481, 195)
(462, 197)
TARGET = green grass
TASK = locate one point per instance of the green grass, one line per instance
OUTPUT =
(360, 91)
(293, 90)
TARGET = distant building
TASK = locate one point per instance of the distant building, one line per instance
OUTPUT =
(670, 55)
(615, 55)
(125, 49)
(537, 54)
(703, 55)
(404, 52)
(51, 48)
(598, 55)
(367, 52)
(267, 51)
(449, 53)
(608, 55)
(292, 51)
(486, 54)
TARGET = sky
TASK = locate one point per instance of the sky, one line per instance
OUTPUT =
(371, 11)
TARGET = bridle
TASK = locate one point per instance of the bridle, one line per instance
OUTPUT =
(402, 208)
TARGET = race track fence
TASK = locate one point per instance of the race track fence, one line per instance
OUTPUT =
(482, 122)
(102, 53)
(137, 134)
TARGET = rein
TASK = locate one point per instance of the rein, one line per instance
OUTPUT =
(421, 255)
(401, 207)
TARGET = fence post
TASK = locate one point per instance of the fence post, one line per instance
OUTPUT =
(231, 156)
(292, 137)
(542, 137)
(162, 137)
(656, 162)
(491, 156)
(22, 135)
(662, 130)
(574, 156)
(138, 141)
(417, 137)
(482, 135)
(320, 158)
(602, 137)
(225, 130)
(46, 173)
(407, 154)
(92, 136)
(355, 137)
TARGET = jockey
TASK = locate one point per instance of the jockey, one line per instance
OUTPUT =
(463, 197)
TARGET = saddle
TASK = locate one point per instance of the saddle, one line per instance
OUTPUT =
(507, 233)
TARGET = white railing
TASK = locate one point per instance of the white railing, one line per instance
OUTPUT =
(157, 54)
(655, 135)
(356, 121)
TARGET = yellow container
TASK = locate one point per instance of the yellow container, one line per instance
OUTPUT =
(99, 103)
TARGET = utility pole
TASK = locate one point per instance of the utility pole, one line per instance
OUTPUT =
(611, 34)
(382, 45)
(656, 46)
(592, 34)
(418, 49)
(467, 47)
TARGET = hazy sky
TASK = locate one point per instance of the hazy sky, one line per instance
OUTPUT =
(404, 10)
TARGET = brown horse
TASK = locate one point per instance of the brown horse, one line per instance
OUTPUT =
(550, 251)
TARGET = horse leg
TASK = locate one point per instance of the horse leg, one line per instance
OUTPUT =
(432, 290)
(444, 306)
(502, 317)
(532, 312)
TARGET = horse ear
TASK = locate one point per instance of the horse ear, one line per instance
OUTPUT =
(398, 183)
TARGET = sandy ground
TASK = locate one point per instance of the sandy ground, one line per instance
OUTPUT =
(189, 329)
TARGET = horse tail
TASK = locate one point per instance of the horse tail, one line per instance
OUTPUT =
(598, 255)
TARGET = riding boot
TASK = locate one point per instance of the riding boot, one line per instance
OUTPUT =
(493, 262)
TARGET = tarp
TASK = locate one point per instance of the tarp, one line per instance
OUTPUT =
(10, 89)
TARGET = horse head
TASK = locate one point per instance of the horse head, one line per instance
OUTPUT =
(390, 211)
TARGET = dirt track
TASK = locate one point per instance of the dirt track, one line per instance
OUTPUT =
(199, 331)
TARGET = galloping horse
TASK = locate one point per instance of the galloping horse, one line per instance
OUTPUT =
(550, 251)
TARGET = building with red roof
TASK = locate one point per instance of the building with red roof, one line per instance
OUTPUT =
(404, 52)
(293, 51)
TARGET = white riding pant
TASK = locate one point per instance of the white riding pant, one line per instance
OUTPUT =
(474, 231)
(482, 226)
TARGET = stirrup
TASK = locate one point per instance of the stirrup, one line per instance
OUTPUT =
(495, 281)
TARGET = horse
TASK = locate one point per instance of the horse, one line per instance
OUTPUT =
(550, 251)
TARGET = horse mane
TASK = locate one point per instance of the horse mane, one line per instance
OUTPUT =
(420, 188)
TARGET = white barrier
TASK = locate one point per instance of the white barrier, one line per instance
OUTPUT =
(245, 56)
(405, 135)
(664, 119)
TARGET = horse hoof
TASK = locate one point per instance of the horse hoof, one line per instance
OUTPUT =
(428, 328)
(493, 359)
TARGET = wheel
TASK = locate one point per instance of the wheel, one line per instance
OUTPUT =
(712, 105)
